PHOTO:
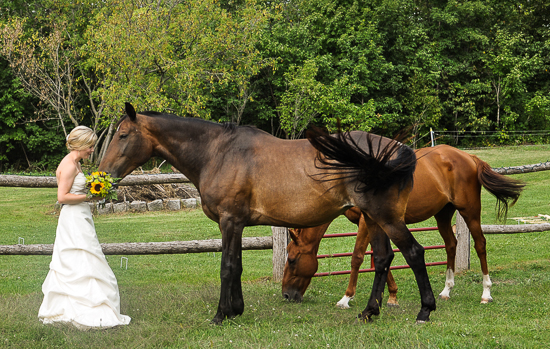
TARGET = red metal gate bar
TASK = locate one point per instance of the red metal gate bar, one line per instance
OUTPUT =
(372, 269)
(347, 254)
(338, 235)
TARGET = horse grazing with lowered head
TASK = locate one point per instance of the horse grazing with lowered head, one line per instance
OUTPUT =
(446, 180)
(248, 177)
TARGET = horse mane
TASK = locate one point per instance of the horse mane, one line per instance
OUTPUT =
(120, 121)
(231, 127)
(228, 127)
(374, 168)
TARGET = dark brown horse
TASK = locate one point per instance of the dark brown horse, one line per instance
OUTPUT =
(248, 177)
(446, 180)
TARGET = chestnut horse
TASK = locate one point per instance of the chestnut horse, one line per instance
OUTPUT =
(247, 177)
(446, 180)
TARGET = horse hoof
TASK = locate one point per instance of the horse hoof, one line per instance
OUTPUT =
(420, 322)
(360, 320)
(486, 300)
(445, 298)
(216, 321)
(393, 305)
(342, 306)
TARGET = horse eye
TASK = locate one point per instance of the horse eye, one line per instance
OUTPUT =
(291, 260)
(123, 136)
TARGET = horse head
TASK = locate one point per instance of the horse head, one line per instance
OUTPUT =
(300, 266)
(130, 147)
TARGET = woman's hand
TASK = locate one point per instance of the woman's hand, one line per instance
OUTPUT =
(94, 198)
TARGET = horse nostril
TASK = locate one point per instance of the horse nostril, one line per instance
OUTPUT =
(286, 296)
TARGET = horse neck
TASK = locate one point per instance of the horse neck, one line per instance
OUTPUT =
(313, 236)
(187, 144)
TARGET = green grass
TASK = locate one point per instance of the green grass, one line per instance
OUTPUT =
(171, 298)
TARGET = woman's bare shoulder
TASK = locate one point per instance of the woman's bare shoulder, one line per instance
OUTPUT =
(66, 168)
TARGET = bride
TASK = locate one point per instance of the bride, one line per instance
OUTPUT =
(80, 287)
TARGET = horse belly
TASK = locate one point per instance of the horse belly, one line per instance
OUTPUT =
(292, 206)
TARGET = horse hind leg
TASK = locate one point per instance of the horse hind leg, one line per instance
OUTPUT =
(414, 255)
(474, 225)
(383, 256)
(444, 219)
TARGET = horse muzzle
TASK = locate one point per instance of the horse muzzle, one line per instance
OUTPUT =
(293, 295)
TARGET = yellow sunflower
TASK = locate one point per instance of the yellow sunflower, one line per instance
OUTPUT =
(96, 187)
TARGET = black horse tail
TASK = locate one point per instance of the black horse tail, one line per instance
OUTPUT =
(506, 190)
(374, 166)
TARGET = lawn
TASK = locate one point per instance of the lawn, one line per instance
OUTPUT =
(172, 298)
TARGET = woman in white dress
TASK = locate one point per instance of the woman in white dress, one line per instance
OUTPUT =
(80, 287)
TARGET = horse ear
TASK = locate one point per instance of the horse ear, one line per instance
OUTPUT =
(293, 235)
(130, 111)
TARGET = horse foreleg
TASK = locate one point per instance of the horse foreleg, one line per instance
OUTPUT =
(392, 289)
(414, 255)
(231, 297)
(383, 256)
(361, 243)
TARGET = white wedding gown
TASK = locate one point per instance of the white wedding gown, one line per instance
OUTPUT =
(80, 287)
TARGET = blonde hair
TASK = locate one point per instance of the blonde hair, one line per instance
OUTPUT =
(80, 138)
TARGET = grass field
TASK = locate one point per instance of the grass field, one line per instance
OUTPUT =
(172, 298)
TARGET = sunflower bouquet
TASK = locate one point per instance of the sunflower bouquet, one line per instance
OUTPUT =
(100, 184)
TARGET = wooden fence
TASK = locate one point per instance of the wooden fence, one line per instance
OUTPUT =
(277, 242)
(281, 238)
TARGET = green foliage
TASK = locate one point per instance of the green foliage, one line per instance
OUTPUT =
(175, 56)
(374, 65)
(300, 101)
(24, 145)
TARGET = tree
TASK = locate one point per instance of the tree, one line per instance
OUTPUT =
(341, 40)
(424, 105)
(43, 50)
(176, 55)
(510, 65)
(43, 65)
(300, 101)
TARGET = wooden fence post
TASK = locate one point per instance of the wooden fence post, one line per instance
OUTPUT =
(281, 238)
(462, 260)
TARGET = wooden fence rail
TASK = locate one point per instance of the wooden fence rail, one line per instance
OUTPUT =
(278, 241)
(144, 248)
(50, 181)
